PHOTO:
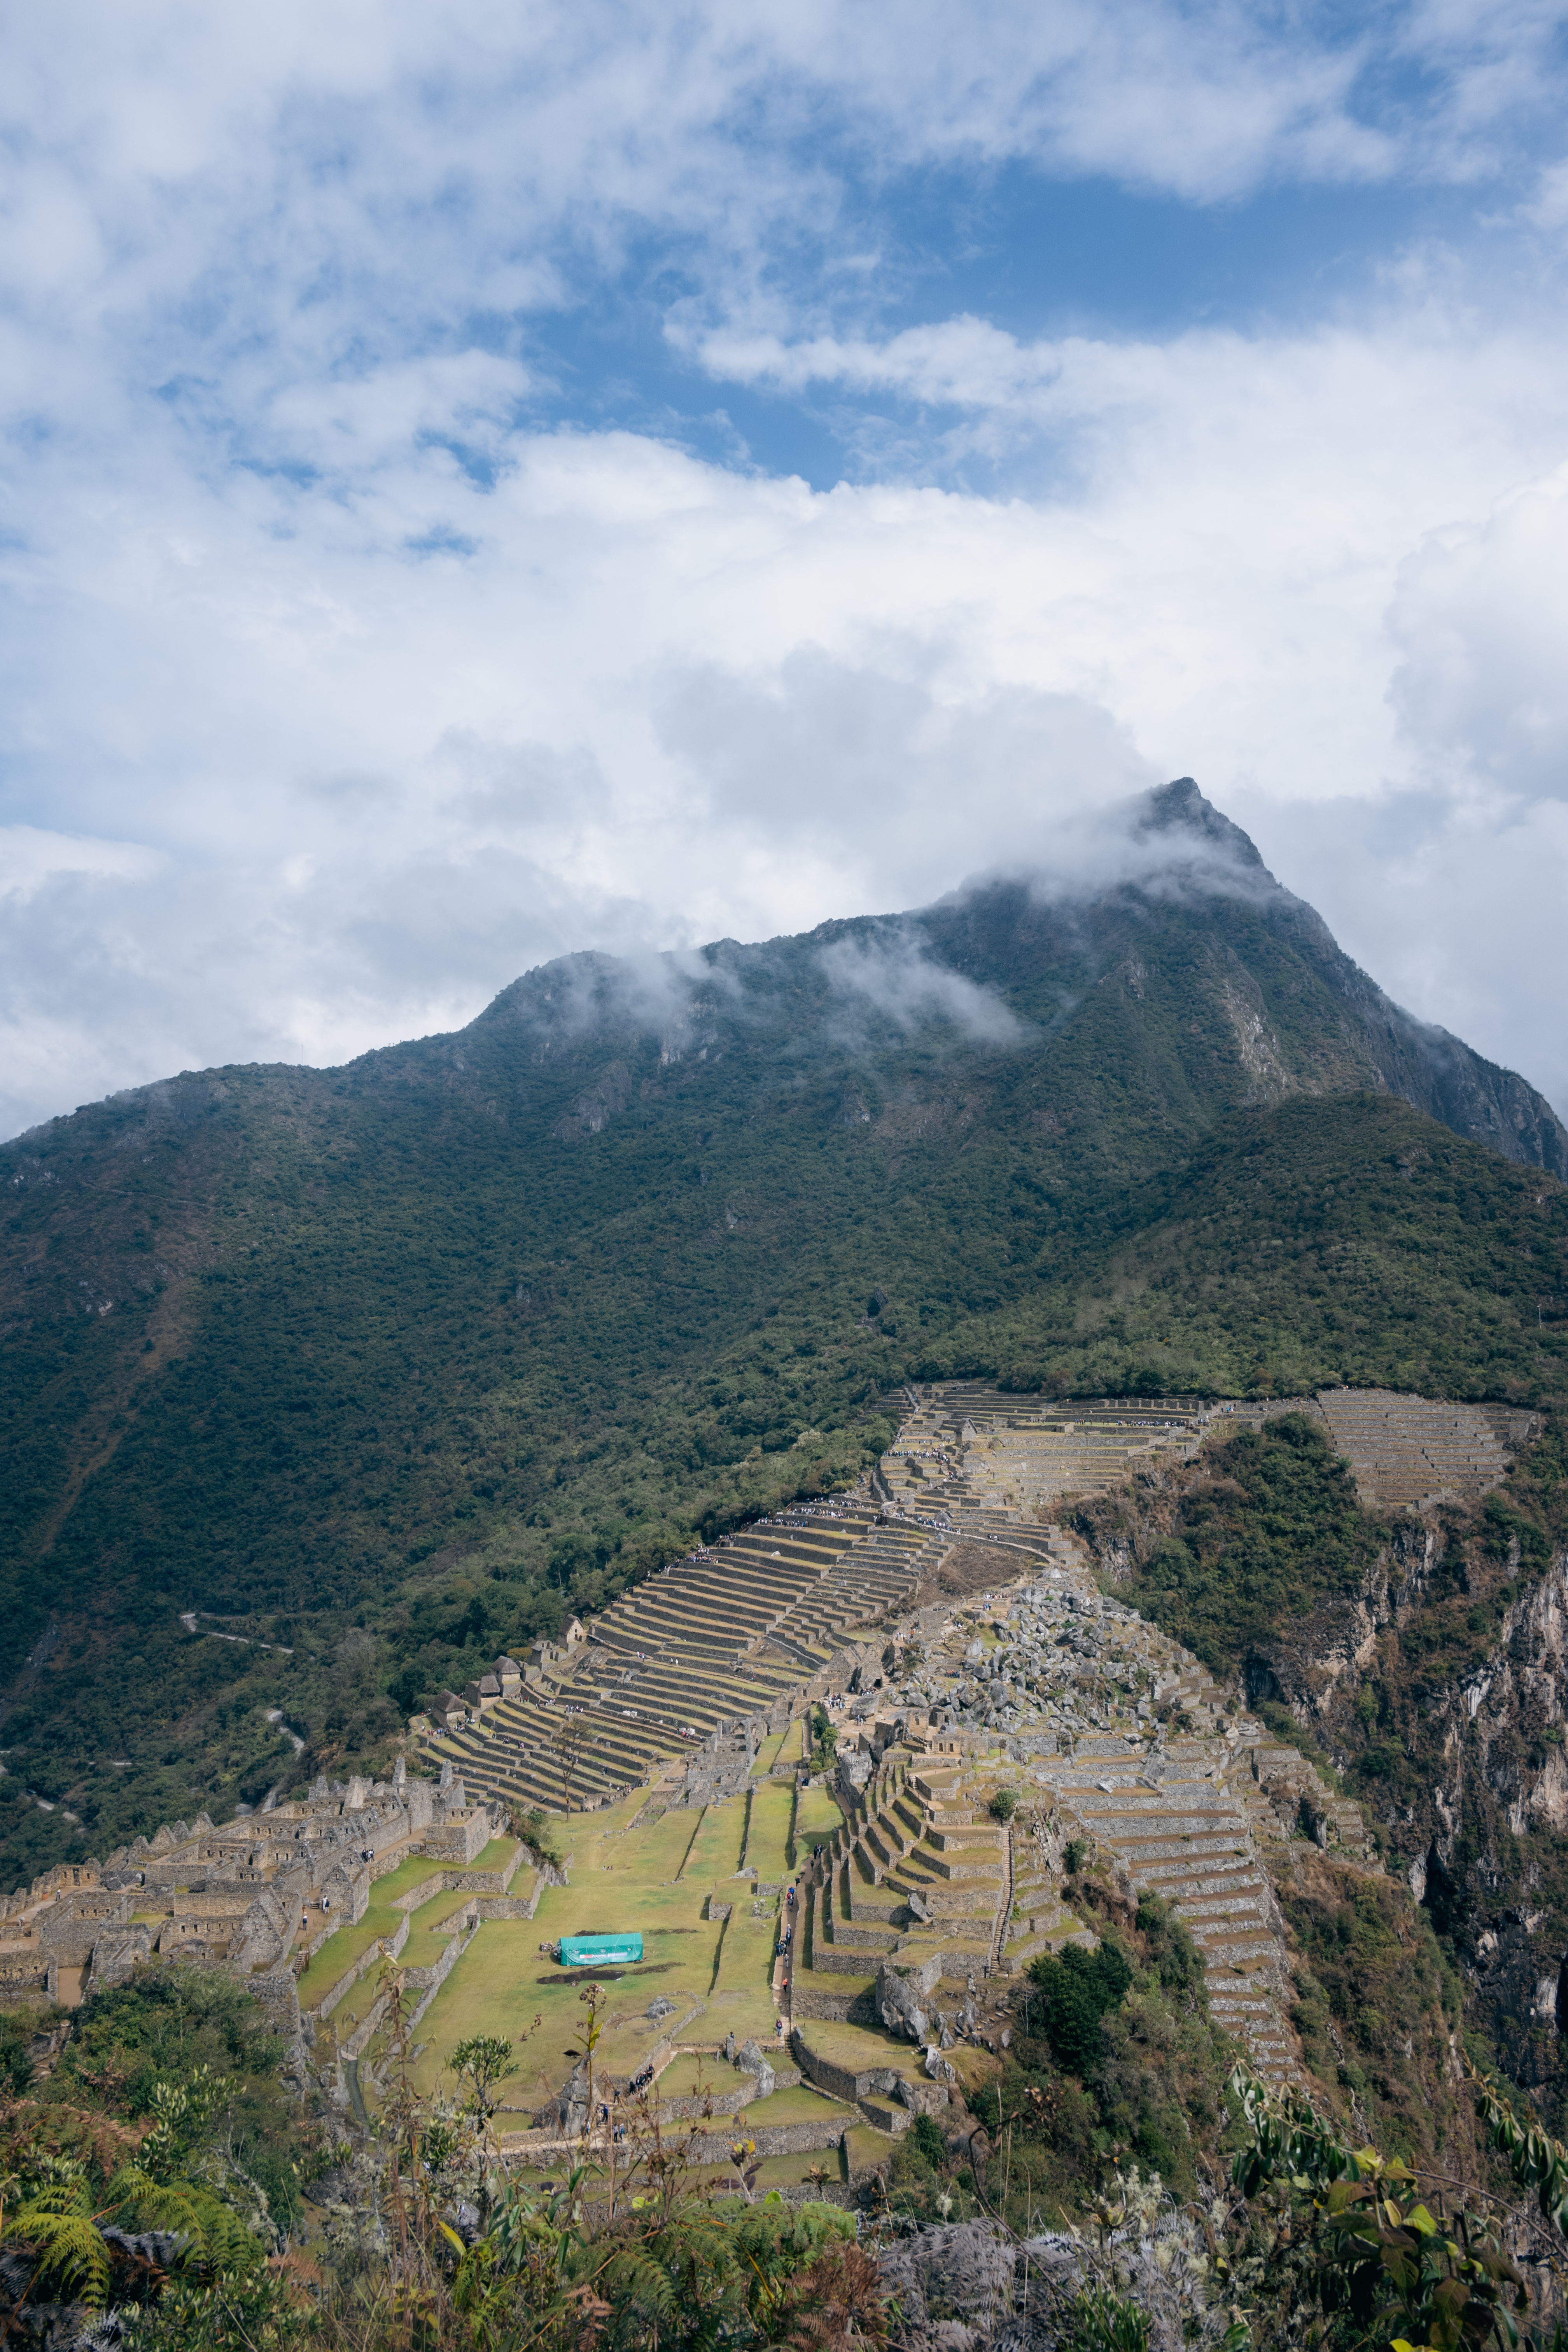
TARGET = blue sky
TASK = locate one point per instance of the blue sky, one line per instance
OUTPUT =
(485, 482)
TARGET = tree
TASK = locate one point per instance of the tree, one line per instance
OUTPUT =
(482, 2064)
(1348, 2234)
(568, 1743)
(1080, 1989)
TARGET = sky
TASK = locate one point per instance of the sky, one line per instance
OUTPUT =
(488, 481)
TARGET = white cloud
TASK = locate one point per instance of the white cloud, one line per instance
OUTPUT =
(30, 858)
(337, 691)
(1481, 617)
(236, 203)
(891, 980)
(658, 702)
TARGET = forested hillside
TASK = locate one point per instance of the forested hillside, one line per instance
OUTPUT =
(388, 1365)
(1422, 1657)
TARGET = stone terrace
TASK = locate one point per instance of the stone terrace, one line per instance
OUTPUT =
(1414, 1450)
(1111, 1734)
(971, 1452)
(728, 1637)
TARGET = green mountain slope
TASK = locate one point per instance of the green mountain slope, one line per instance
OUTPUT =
(390, 1364)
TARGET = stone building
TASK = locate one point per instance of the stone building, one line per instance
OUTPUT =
(257, 1895)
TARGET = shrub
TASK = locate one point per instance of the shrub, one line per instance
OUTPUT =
(1080, 1989)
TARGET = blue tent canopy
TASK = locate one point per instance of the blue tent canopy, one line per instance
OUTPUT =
(576, 1950)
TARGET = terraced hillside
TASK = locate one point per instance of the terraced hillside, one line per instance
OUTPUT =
(1014, 1765)
(1120, 1750)
(1124, 1752)
(742, 1633)
(1415, 1450)
(968, 1449)
(731, 1636)
(738, 1631)
(376, 1373)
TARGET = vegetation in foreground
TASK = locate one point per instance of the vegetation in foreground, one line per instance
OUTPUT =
(159, 2172)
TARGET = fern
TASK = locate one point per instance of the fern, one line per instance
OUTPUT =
(212, 2230)
(56, 2222)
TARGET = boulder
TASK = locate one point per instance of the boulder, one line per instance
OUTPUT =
(924, 2099)
(900, 1998)
(751, 2059)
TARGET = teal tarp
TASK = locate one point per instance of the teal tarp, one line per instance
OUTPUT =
(577, 1950)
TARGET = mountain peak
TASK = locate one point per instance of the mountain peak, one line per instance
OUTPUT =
(1180, 808)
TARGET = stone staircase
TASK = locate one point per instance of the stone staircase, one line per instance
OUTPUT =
(1132, 1745)
(1107, 1730)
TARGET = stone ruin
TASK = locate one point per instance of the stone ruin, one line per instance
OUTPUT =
(258, 1896)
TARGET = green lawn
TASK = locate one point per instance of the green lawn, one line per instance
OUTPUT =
(800, 2105)
(860, 2046)
(340, 1952)
(496, 1855)
(866, 2149)
(619, 1878)
(716, 1849)
(742, 2002)
(651, 1855)
(818, 1816)
(692, 2073)
(768, 1831)
(432, 1928)
(778, 2171)
(653, 1880)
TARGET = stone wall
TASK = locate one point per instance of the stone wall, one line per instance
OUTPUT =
(841, 2082)
(772, 2139)
(727, 2102)
(234, 1893)
(386, 1948)
(432, 1978)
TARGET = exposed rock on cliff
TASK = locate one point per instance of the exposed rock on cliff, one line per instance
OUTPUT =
(1426, 1662)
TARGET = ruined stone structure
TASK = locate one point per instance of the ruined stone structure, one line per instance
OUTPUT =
(257, 1896)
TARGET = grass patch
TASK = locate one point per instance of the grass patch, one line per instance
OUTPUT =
(352, 1940)
(818, 1814)
(496, 1855)
(716, 1849)
(768, 1831)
